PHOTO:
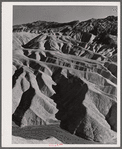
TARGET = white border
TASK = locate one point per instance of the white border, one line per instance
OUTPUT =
(7, 18)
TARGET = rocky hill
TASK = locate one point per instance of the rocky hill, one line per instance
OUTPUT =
(65, 74)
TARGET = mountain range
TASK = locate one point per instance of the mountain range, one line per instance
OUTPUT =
(65, 82)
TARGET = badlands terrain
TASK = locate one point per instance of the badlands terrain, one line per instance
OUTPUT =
(65, 82)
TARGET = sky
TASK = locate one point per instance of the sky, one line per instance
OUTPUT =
(61, 14)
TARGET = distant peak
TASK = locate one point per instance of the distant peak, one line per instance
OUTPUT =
(112, 18)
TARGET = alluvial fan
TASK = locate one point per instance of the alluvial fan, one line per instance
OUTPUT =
(66, 74)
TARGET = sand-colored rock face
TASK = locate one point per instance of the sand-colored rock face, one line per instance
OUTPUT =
(69, 80)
